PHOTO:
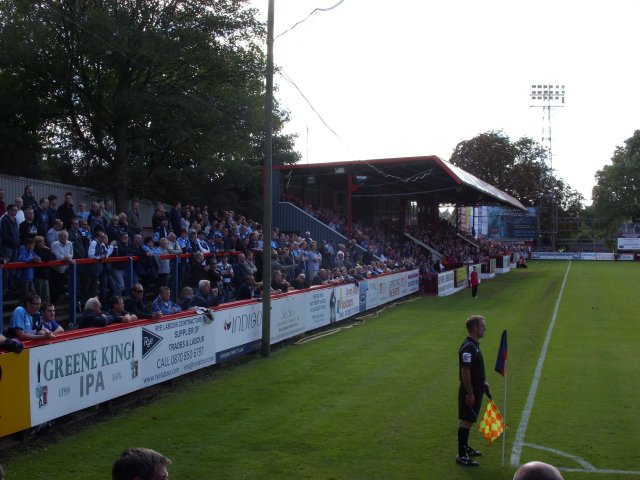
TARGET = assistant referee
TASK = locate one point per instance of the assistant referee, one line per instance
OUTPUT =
(472, 387)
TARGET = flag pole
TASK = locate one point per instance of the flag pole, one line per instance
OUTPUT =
(504, 417)
(501, 368)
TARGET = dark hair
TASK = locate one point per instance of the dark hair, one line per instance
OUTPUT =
(45, 305)
(31, 297)
(52, 197)
(137, 462)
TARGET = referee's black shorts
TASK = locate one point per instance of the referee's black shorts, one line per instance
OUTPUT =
(469, 414)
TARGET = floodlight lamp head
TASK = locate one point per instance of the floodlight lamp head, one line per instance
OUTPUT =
(548, 94)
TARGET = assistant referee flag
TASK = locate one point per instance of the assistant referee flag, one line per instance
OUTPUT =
(501, 362)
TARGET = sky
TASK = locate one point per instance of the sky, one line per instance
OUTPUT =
(416, 77)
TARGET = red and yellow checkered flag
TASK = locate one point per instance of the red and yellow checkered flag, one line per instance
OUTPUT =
(492, 424)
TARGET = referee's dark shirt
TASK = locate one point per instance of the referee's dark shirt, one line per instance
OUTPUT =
(470, 356)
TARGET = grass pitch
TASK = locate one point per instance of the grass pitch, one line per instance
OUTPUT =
(378, 401)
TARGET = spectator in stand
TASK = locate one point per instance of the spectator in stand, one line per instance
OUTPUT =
(28, 228)
(96, 223)
(254, 241)
(164, 264)
(278, 283)
(9, 242)
(300, 282)
(112, 229)
(62, 249)
(85, 233)
(286, 259)
(120, 270)
(185, 247)
(97, 208)
(118, 313)
(250, 264)
(162, 231)
(42, 217)
(314, 259)
(367, 257)
(148, 264)
(93, 316)
(158, 214)
(28, 200)
(135, 304)
(226, 271)
(27, 254)
(53, 206)
(206, 296)
(66, 212)
(133, 216)
(249, 289)
(164, 304)
(175, 217)
(82, 211)
(185, 220)
(100, 273)
(322, 278)
(277, 265)
(123, 225)
(25, 321)
(197, 270)
(240, 271)
(213, 274)
(326, 258)
(202, 243)
(41, 275)
(185, 299)
(108, 211)
(52, 233)
(48, 315)
(20, 212)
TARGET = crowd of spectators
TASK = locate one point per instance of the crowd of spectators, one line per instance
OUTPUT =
(223, 261)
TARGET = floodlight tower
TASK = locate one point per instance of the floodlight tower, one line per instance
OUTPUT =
(548, 97)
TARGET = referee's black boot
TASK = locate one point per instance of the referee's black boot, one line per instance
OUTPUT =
(466, 461)
(472, 452)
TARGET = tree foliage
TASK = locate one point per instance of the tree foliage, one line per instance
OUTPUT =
(156, 98)
(519, 169)
(616, 195)
(516, 168)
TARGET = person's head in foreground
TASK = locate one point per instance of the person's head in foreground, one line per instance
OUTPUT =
(140, 464)
(537, 471)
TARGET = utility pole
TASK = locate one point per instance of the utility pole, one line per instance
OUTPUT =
(268, 171)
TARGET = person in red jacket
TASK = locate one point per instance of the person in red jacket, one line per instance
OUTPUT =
(474, 283)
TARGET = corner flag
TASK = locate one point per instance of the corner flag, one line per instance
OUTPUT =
(492, 424)
(501, 362)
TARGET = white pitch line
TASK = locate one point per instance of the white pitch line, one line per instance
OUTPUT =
(587, 467)
(526, 413)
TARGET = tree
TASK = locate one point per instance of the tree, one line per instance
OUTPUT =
(148, 98)
(616, 195)
(520, 169)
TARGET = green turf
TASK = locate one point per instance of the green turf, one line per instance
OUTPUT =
(378, 401)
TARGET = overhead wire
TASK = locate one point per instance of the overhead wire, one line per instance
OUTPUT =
(413, 178)
(316, 10)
